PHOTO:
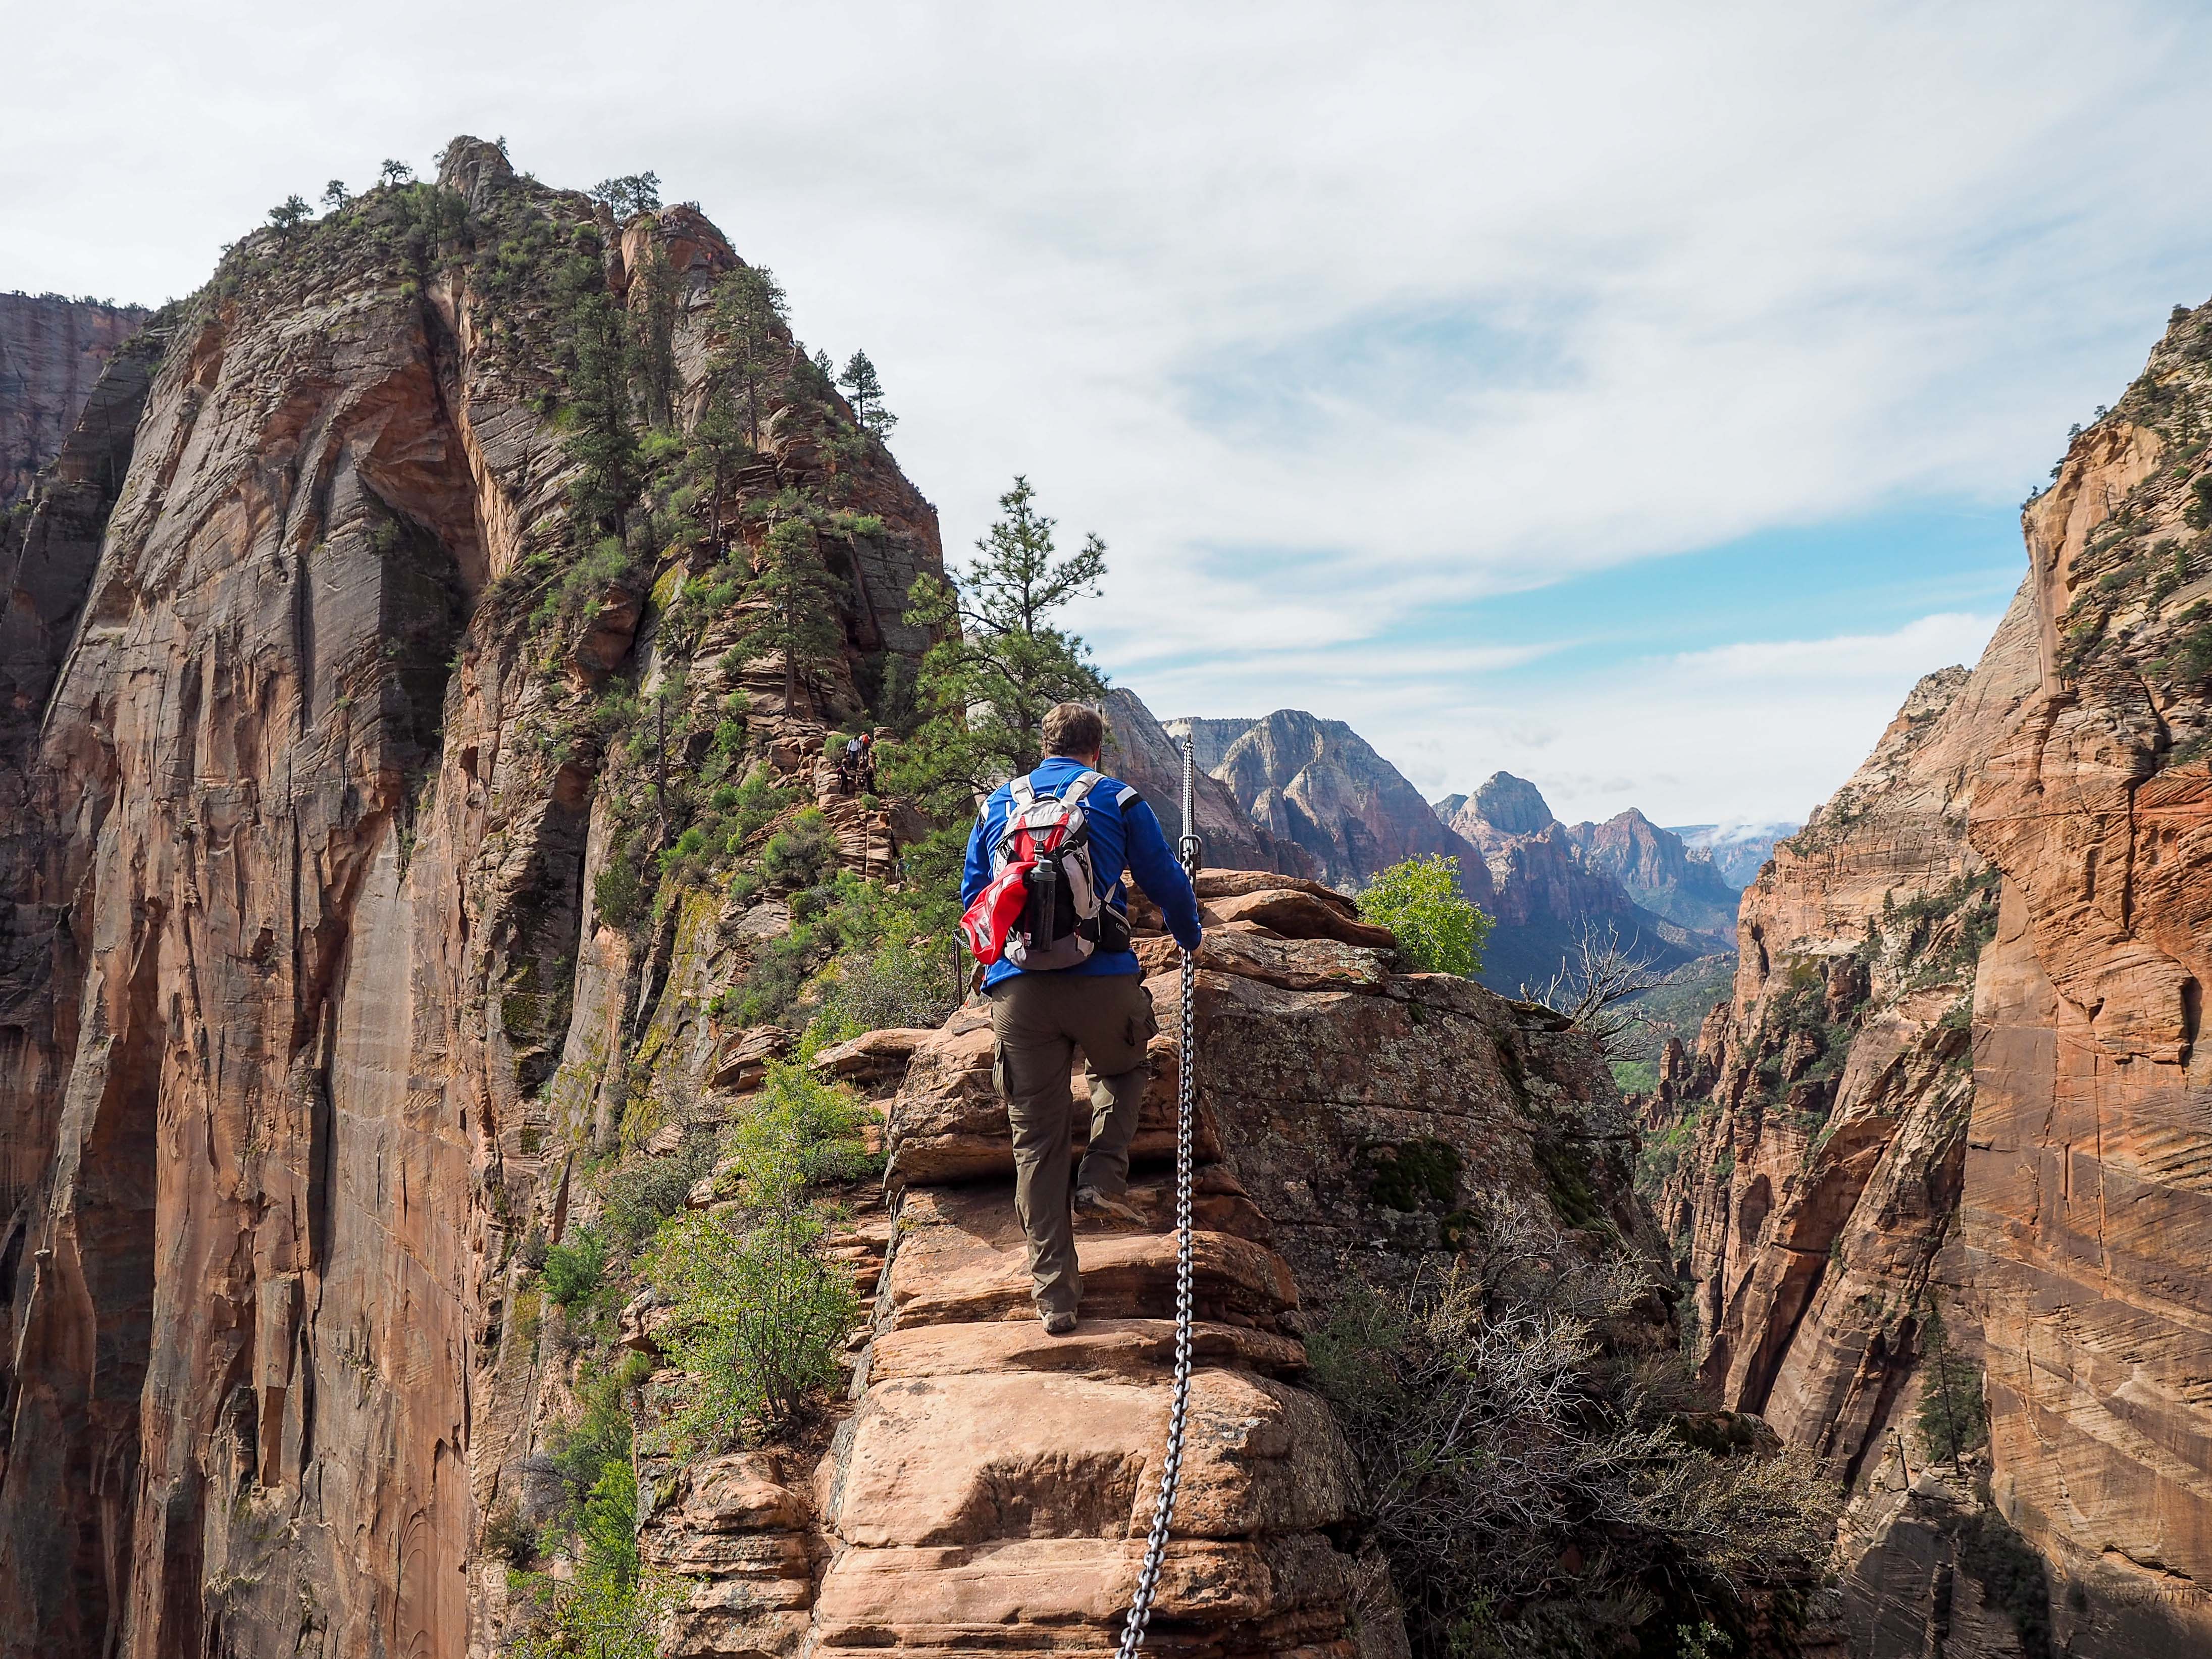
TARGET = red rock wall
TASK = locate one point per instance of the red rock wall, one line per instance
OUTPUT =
(299, 807)
(52, 350)
(1844, 1171)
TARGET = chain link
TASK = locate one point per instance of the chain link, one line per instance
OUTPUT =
(1156, 1545)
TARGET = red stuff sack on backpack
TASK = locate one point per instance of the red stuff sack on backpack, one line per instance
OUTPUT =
(996, 912)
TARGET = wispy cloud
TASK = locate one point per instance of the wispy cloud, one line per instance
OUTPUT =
(1338, 323)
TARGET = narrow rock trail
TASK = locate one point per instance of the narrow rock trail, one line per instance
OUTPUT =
(990, 1485)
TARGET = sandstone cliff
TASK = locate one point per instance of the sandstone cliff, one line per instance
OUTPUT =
(51, 354)
(297, 848)
(1961, 1077)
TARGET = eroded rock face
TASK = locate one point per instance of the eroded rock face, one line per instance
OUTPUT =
(992, 1485)
(296, 866)
(52, 352)
(1962, 1072)
(2085, 1221)
(1141, 752)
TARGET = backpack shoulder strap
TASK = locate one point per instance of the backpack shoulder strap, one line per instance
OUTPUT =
(1083, 783)
(1024, 791)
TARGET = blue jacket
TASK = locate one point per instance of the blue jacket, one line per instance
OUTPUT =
(1123, 837)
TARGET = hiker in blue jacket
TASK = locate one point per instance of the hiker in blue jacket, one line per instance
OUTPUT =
(1039, 1018)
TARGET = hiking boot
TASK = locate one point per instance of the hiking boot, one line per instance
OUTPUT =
(1058, 1324)
(1092, 1205)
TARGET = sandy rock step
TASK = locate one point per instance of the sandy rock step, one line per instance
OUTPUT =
(960, 1258)
(1066, 1596)
(1143, 1349)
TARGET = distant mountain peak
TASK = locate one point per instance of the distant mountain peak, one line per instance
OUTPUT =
(1513, 805)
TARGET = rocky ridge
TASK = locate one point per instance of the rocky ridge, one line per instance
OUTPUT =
(989, 1486)
(1961, 1075)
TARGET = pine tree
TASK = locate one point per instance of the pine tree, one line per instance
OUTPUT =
(1000, 664)
(395, 173)
(599, 359)
(797, 599)
(750, 315)
(865, 390)
(289, 214)
(335, 197)
(1953, 1418)
(653, 309)
(628, 195)
(721, 446)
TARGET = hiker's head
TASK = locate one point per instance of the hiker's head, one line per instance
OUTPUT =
(1075, 731)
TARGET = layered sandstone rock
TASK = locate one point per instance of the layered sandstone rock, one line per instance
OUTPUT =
(51, 351)
(992, 1486)
(298, 857)
(1961, 1072)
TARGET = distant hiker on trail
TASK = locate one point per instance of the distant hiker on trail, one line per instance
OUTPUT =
(1045, 909)
(856, 767)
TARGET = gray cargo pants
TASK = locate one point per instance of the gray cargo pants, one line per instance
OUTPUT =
(1038, 1021)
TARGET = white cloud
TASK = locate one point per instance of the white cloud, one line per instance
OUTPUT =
(1324, 316)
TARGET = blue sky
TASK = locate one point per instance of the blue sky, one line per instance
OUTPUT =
(1635, 397)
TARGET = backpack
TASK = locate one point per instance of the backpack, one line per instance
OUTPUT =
(1044, 907)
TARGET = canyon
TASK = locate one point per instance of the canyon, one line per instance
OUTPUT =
(1954, 1113)
(330, 1008)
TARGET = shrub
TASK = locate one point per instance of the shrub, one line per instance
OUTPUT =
(758, 1312)
(593, 1615)
(1495, 1438)
(575, 1266)
(803, 854)
(1953, 1418)
(759, 1316)
(1419, 900)
(642, 1193)
(619, 891)
(508, 1537)
(895, 985)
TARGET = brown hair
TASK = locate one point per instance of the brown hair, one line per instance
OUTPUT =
(1072, 730)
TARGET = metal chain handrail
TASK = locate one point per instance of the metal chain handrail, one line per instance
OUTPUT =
(1156, 1545)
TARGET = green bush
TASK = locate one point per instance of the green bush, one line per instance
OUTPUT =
(802, 854)
(758, 1313)
(759, 1316)
(508, 1537)
(575, 1266)
(640, 1193)
(593, 1615)
(895, 985)
(1419, 900)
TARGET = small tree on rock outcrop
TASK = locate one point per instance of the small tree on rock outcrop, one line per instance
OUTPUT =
(628, 195)
(1420, 900)
(865, 387)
